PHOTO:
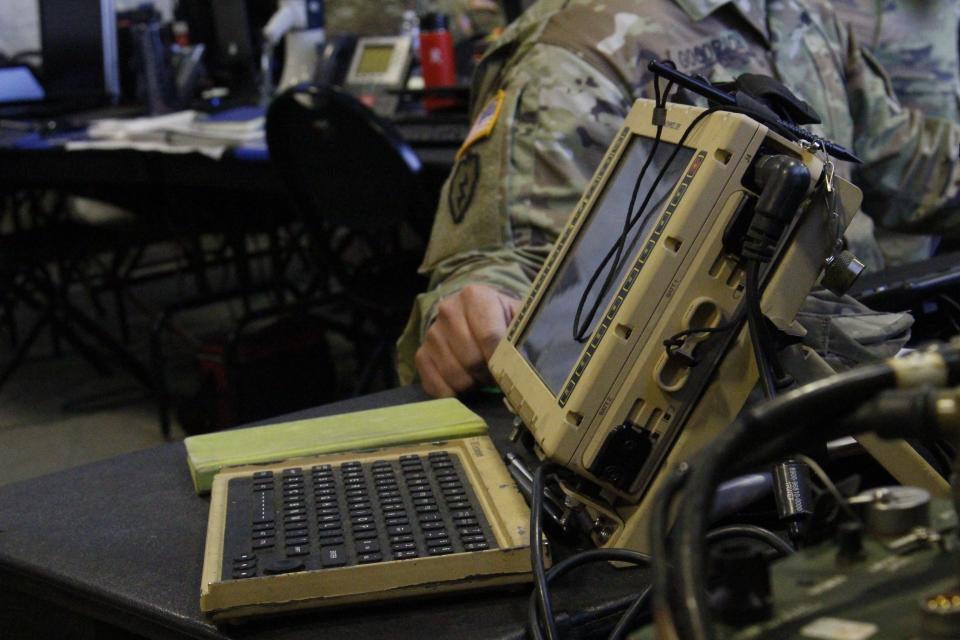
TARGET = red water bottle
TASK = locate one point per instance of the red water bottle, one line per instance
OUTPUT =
(436, 59)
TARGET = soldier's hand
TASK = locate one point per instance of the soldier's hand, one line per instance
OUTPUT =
(454, 354)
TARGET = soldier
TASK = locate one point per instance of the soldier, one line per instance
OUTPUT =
(550, 96)
(916, 42)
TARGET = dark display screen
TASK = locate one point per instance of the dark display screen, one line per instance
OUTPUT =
(548, 343)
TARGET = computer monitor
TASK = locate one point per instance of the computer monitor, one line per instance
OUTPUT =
(382, 61)
(602, 394)
(79, 44)
(378, 70)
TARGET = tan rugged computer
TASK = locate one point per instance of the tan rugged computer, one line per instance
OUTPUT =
(614, 404)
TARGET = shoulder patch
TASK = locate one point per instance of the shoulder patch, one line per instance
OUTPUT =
(463, 186)
(483, 125)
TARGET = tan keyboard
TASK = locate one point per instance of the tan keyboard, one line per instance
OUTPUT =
(345, 528)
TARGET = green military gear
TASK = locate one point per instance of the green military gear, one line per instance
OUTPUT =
(916, 42)
(570, 71)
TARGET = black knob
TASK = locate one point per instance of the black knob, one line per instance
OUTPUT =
(850, 542)
(741, 578)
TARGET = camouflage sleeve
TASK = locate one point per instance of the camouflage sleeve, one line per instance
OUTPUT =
(911, 170)
(510, 193)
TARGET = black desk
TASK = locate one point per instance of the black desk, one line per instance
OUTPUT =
(117, 547)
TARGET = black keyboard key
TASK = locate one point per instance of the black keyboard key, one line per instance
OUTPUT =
(295, 511)
(464, 513)
(383, 495)
(470, 531)
(468, 539)
(437, 524)
(244, 566)
(465, 522)
(368, 546)
(438, 542)
(433, 535)
(395, 508)
(331, 542)
(331, 518)
(440, 551)
(364, 527)
(360, 513)
(475, 546)
(419, 502)
(297, 541)
(262, 486)
(244, 557)
(459, 505)
(263, 526)
(258, 535)
(407, 537)
(294, 519)
(429, 517)
(404, 555)
(329, 526)
(295, 526)
(263, 543)
(416, 495)
(282, 565)
(427, 508)
(333, 556)
(326, 504)
(292, 472)
(328, 511)
(454, 493)
(260, 475)
(399, 530)
(399, 519)
(364, 535)
(403, 546)
(319, 468)
(362, 520)
(393, 500)
(367, 558)
(240, 575)
(298, 550)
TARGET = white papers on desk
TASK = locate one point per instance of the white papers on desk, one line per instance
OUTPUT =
(181, 132)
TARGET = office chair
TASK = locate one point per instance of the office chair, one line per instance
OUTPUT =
(360, 191)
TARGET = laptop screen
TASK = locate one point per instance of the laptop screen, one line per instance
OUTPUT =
(18, 84)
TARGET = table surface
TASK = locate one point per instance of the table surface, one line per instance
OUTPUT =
(121, 542)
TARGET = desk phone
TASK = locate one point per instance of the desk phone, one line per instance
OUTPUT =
(355, 527)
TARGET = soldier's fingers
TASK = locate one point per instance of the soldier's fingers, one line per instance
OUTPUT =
(487, 317)
(452, 322)
(430, 378)
(441, 354)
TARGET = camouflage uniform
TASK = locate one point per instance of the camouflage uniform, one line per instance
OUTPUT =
(916, 41)
(570, 71)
